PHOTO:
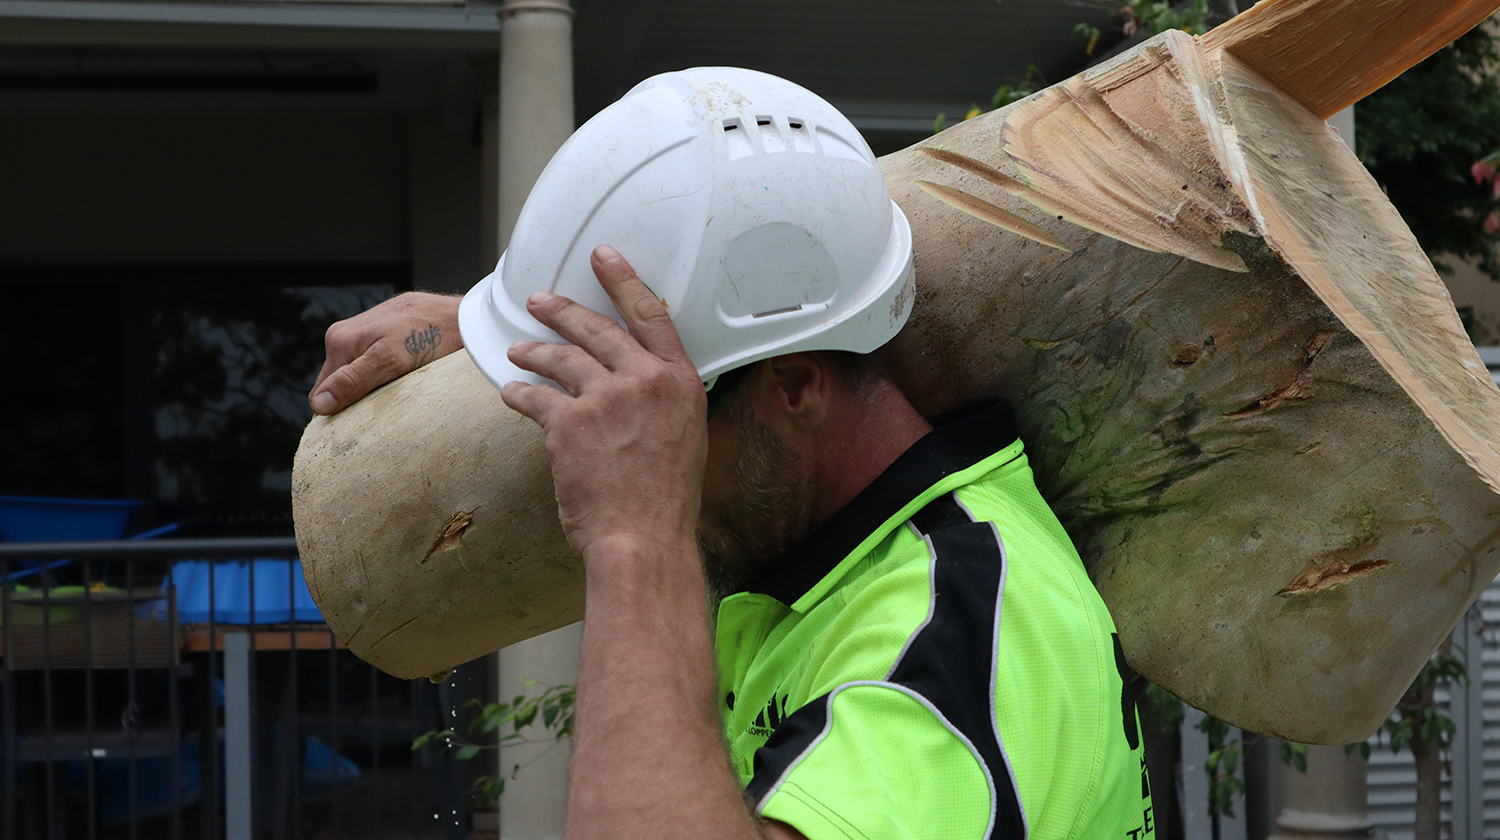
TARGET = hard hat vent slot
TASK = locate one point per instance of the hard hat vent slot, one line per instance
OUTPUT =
(801, 136)
(770, 138)
(738, 142)
(782, 311)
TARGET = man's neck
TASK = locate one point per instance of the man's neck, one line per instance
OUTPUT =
(869, 434)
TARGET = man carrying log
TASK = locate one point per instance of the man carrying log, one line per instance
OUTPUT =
(907, 643)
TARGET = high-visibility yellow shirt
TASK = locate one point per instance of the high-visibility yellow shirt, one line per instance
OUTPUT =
(934, 662)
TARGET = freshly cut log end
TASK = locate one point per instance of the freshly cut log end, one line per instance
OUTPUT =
(406, 506)
(1329, 220)
(1149, 180)
(1329, 54)
(1245, 391)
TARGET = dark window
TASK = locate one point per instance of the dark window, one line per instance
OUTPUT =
(181, 385)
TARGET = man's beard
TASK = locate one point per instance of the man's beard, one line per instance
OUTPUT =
(771, 508)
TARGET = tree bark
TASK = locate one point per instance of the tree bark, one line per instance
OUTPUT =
(1427, 754)
(1242, 387)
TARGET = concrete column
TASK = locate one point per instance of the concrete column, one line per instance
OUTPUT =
(1327, 801)
(1262, 769)
(239, 765)
(535, 801)
(536, 116)
(536, 96)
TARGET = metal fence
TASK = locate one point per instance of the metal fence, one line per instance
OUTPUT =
(187, 688)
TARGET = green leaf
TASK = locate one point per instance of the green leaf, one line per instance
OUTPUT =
(1295, 754)
(525, 718)
(1231, 757)
(487, 789)
(1400, 735)
(555, 704)
(466, 752)
(426, 738)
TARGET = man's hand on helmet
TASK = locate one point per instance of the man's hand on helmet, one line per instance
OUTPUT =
(628, 438)
(383, 343)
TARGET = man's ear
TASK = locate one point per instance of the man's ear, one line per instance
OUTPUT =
(793, 389)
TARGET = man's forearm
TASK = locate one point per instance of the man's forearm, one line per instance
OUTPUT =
(649, 759)
(628, 442)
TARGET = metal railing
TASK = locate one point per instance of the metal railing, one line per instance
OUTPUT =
(187, 688)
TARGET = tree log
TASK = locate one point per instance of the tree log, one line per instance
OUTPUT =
(1242, 387)
(1329, 54)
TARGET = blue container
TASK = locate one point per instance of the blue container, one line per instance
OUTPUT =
(33, 519)
(280, 592)
(323, 768)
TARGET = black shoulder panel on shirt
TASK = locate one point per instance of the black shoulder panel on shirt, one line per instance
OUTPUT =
(786, 744)
(951, 660)
(942, 512)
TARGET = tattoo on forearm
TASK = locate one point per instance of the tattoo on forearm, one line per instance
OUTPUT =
(423, 345)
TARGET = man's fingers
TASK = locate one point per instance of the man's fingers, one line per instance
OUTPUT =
(348, 383)
(340, 347)
(583, 327)
(568, 366)
(392, 339)
(536, 402)
(650, 327)
(645, 314)
(329, 366)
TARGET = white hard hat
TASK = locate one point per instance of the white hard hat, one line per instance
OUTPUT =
(749, 205)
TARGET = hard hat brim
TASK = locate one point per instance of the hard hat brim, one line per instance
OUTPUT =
(487, 336)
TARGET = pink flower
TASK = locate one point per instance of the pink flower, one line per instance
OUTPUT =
(1492, 222)
(1484, 170)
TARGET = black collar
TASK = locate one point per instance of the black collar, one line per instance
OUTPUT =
(963, 438)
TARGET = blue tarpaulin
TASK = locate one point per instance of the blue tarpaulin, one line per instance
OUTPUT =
(41, 519)
(280, 592)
